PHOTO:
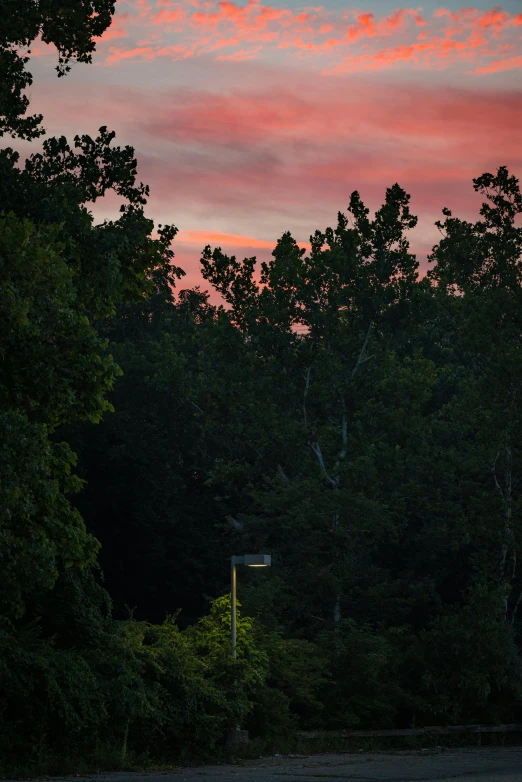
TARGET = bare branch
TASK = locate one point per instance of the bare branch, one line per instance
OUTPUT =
(507, 474)
(234, 523)
(307, 386)
(337, 611)
(361, 354)
(344, 435)
(198, 408)
(515, 608)
(283, 475)
(256, 450)
(319, 618)
(494, 473)
(316, 448)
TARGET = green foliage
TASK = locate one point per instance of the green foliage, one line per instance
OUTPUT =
(366, 675)
(52, 371)
(113, 261)
(40, 531)
(142, 687)
(473, 668)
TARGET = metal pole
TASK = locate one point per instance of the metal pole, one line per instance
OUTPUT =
(233, 607)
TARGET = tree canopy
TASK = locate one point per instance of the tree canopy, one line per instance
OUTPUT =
(357, 421)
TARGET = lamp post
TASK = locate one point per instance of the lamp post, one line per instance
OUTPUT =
(250, 560)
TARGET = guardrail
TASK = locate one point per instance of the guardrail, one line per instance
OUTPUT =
(441, 730)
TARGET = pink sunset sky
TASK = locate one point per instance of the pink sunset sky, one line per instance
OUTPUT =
(249, 120)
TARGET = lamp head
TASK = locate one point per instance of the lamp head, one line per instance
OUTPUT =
(253, 560)
(258, 560)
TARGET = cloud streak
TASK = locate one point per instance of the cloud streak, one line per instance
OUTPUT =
(351, 41)
(243, 161)
(260, 126)
(508, 64)
(230, 241)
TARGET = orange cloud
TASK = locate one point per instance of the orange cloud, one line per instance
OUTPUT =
(270, 120)
(495, 17)
(168, 17)
(146, 53)
(202, 238)
(256, 162)
(143, 6)
(118, 29)
(508, 64)
(217, 239)
(240, 55)
(439, 50)
(365, 27)
(286, 151)
(186, 28)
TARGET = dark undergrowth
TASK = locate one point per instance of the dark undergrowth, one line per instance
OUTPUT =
(107, 759)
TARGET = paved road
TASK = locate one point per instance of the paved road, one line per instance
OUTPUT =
(467, 765)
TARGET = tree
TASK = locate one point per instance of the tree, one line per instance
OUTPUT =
(58, 271)
(51, 366)
(481, 263)
(71, 25)
(163, 547)
(345, 295)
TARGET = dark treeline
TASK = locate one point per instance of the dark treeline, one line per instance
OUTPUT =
(359, 423)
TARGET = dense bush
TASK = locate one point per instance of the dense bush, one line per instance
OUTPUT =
(128, 686)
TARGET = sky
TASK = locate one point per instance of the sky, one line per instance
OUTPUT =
(251, 119)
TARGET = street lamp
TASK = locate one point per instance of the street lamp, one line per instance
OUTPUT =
(250, 560)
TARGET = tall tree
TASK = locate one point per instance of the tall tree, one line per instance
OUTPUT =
(345, 295)
(58, 271)
(481, 263)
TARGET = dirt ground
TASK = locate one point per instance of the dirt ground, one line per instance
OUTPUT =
(498, 764)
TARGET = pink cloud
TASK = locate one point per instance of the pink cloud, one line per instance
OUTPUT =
(368, 27)
(495, 17)
(353, 41)
(253, 30)
(365, 27)
(256, 161)
(286, 150)
(143, 6)
(168, 17)
(240, 55)
(304, 122)
(236, 154)
(320, 123)
(427, 52)
(231, 241)
(202, 238)
(508, 64)
(118, 29)
(148, 52)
